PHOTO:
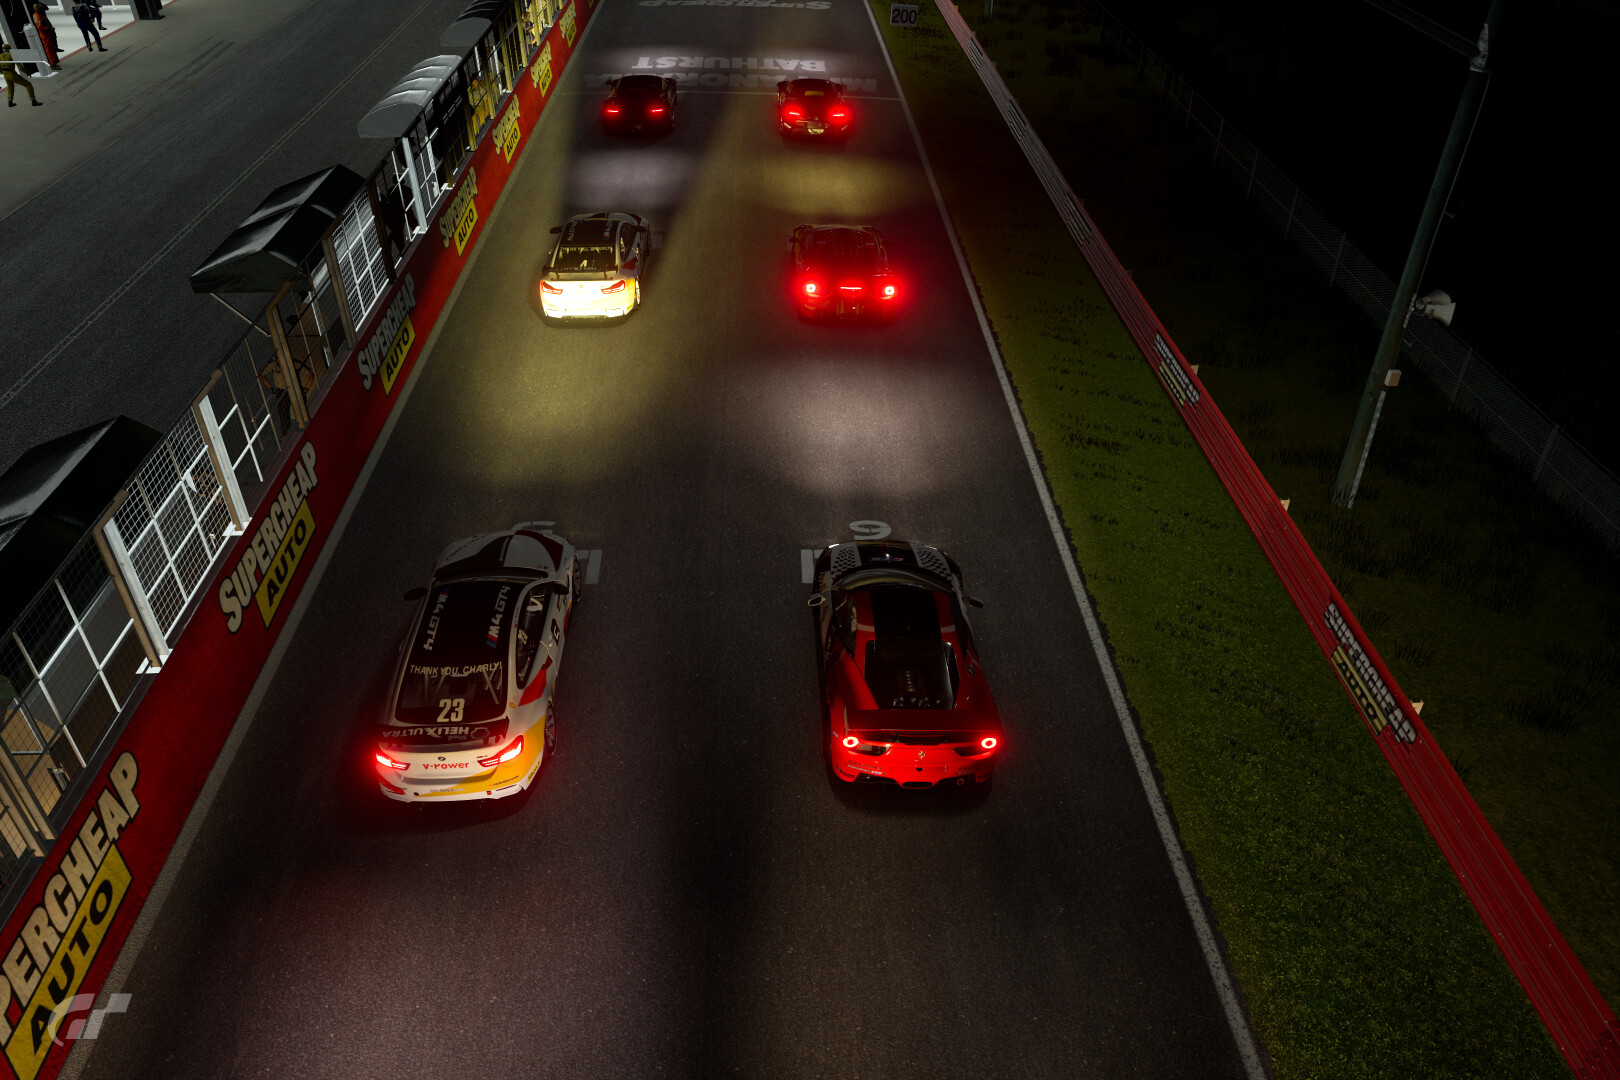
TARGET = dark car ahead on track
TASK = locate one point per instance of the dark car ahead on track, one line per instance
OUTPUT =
(907, 700)
(813, 107)
(471, 715)
(842, 272)
(639, 103)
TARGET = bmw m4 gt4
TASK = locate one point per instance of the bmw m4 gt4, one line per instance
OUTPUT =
(907, 700)
(471, 716)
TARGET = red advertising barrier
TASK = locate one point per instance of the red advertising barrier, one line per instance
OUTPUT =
(1579, 1020)
(69, 925)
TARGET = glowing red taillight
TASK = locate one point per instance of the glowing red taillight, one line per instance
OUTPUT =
(547, 287)
(888, 292)
(839, 114)
(508, 754)
(617, 286)
(389, 763)
(655, 109)
(850, 287)
(611, 109)
(810, 288)
(989, 742)
(851, 742)
(793, 112)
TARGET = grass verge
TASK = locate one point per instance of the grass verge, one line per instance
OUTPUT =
(1488, 602)
(1357, 951)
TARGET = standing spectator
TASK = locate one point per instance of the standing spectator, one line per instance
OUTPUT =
(85, 16)
(95, 5)
(47, 36)
(9, 72)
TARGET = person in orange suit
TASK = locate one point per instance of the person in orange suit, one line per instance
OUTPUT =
(47, 36)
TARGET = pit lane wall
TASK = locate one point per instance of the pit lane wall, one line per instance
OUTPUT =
(1578, 1019)
(67, 929)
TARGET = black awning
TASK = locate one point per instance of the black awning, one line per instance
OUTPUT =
(471, 25)
(275, 242)
(52, 495)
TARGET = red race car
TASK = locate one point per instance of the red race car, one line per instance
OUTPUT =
(907, 700)
(842, 272)
(813, 107)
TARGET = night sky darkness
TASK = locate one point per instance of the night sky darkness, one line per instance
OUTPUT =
(1355, 105)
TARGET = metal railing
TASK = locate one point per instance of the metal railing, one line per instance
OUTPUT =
(1561, 467)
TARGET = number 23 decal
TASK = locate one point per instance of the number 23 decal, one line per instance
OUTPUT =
(451, 709)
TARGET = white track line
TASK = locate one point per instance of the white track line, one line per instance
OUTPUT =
(1247, 1047)
(185, 230)
(79, 1056)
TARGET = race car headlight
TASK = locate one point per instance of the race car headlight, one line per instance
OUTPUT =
(513, 750)
(389, 763)
(617, 286)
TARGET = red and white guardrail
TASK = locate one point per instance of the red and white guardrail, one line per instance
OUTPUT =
(1579, 1020)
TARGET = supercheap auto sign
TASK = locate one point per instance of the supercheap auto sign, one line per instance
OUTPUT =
(75, 914)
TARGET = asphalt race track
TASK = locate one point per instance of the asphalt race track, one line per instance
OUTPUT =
(686, 892)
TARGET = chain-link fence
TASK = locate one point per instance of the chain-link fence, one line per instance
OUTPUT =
(1568, 474)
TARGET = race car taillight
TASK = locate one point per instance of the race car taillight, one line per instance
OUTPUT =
(889, 292)
(851, 742)
(508, 754)
(389, 763)
(839, 114)
(655, 110)
(548, 287)
(989, 742)
(810, 288)
(611, 109)
(793, 112)
(617, 286)
(850, 287)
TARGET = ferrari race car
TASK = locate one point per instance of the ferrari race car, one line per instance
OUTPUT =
(596, 267)
(813, 107)
(842, 272)
(639, 103)
(907, 700)
(470, 715)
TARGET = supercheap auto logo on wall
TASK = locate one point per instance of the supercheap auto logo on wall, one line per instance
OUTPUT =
(45, 964)
(391, 343)
(540, 70)
(267, 565)
(567, 25)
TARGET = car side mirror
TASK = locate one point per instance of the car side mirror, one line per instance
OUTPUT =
(413, 595)
(556, 229)
(817, 600)
(973, 601)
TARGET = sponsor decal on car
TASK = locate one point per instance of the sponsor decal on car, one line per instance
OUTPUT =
(507, 132)
(444, 732)
(278, 546)
(446, 764)
(392, 340)
(45, 964)
(493, 638)
(458, 219)
(454, 671)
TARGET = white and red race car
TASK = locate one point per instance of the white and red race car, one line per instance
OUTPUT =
(470, 715)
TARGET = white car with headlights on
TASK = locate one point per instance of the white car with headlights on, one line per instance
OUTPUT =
(596, 267)
(470, 715)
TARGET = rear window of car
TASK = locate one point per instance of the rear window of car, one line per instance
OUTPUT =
(843, 249)
(810, 88)
(641, 84)
(907, 663)
(455, 672)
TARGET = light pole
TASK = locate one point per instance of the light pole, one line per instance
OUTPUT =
(1406, 299)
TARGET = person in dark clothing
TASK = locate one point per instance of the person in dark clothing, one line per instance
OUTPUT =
(85, 16)
(95, 6)
(9, 72)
